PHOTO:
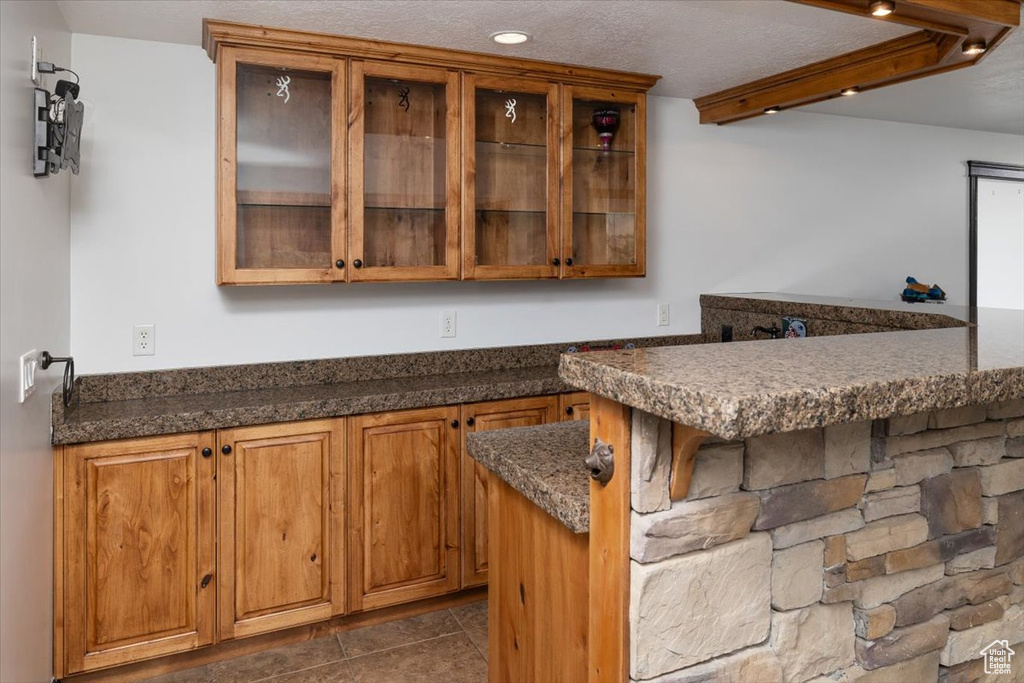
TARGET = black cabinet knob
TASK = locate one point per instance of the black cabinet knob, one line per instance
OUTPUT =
(455, 424)
(556, 261)
(207, 452)
(226, 449)
(357, 263)
(340, 263)
(568, 410)
(568, 261)
(470, 421)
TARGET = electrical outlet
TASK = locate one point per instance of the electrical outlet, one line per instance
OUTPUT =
(144, 340)
(662, 315)
(448, 323)
(27, 365)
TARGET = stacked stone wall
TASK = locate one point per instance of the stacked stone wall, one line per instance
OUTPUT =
(870, 552)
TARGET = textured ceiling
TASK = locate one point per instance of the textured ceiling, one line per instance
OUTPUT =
(698, 46)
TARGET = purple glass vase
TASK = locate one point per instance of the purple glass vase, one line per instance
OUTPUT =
(606, 122)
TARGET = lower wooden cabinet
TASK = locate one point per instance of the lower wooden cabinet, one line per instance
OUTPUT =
(403, 506)
(478, 417)
(281, 552)
(166, 544)
(574, 406)
(135, 570)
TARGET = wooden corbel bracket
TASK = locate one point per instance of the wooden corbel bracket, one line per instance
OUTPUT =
(685, 442)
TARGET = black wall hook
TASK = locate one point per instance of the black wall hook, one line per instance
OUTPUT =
(69, 373)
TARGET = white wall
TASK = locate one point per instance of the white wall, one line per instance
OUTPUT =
(1001, 243)
(797, 202)
(34, 314)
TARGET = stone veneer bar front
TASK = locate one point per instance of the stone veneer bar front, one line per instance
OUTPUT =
(856, 515)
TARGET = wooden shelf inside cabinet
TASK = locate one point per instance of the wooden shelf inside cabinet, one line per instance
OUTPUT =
(277, 198)
(603, 202)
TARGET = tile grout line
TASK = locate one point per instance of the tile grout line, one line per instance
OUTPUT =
(457, 620)
(396, 647)
(466, 631)
(289, 673)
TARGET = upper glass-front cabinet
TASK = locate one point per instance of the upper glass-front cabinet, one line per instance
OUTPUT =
(510, 171)
(282, 140)
(344, 160)
(603, 215)
(404, 184)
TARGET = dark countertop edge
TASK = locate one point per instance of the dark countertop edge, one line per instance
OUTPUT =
(846, 312)
(556, 504)
(836, 405)
(68, 433)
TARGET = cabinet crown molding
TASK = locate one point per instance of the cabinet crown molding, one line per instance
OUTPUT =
(218, 33)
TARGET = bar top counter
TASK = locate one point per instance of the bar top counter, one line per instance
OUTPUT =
(742, 389)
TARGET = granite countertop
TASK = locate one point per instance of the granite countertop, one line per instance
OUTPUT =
(545, 464)
(895, 313)
(745, 389)
(191, 412)
(133, 404)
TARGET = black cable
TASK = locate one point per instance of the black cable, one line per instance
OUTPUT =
(61, 68)
(69, 374)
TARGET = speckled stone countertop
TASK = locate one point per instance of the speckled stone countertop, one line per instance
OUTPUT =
(123, 405)
(545, 464)
(895, 314)
(744, 389)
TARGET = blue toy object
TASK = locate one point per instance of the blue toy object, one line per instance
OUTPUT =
(915, 291)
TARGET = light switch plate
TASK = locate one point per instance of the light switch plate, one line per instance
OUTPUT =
(27, 374)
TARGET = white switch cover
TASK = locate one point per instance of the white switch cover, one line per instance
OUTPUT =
(662, 315)
(27, 372)
(448, 324)
(144, 340)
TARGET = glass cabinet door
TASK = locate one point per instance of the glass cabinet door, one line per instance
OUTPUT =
(603, 232)
(282, 154)
(510, 152)
(404, 180)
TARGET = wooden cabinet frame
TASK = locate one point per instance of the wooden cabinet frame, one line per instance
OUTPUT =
(450, 79)
(638, 100)
(227, 198)
(470, 269)
(234, 527)
(86, 516)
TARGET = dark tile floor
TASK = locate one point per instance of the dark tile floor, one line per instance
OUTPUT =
(448, 645)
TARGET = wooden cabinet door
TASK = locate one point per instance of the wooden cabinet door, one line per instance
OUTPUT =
(574, 406)
(281, 167)
(478, 417)
(281, 542)
(403, 506)
(510, 178)
(604, 184)
(138, 553)
(404, 184)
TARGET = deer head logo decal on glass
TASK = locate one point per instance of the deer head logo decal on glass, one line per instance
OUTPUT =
(282, 87)
(403, 99)
(510, 110)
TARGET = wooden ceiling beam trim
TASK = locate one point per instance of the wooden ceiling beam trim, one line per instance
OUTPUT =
(217, 33)
(924, 53)
(858, 8)
(1002, 12)
(894, 47)
(861, 68)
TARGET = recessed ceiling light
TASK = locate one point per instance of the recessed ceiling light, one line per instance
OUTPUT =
(510, 37)
(882, 8)
(772, 110)
(846, 92)
(974, 47)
